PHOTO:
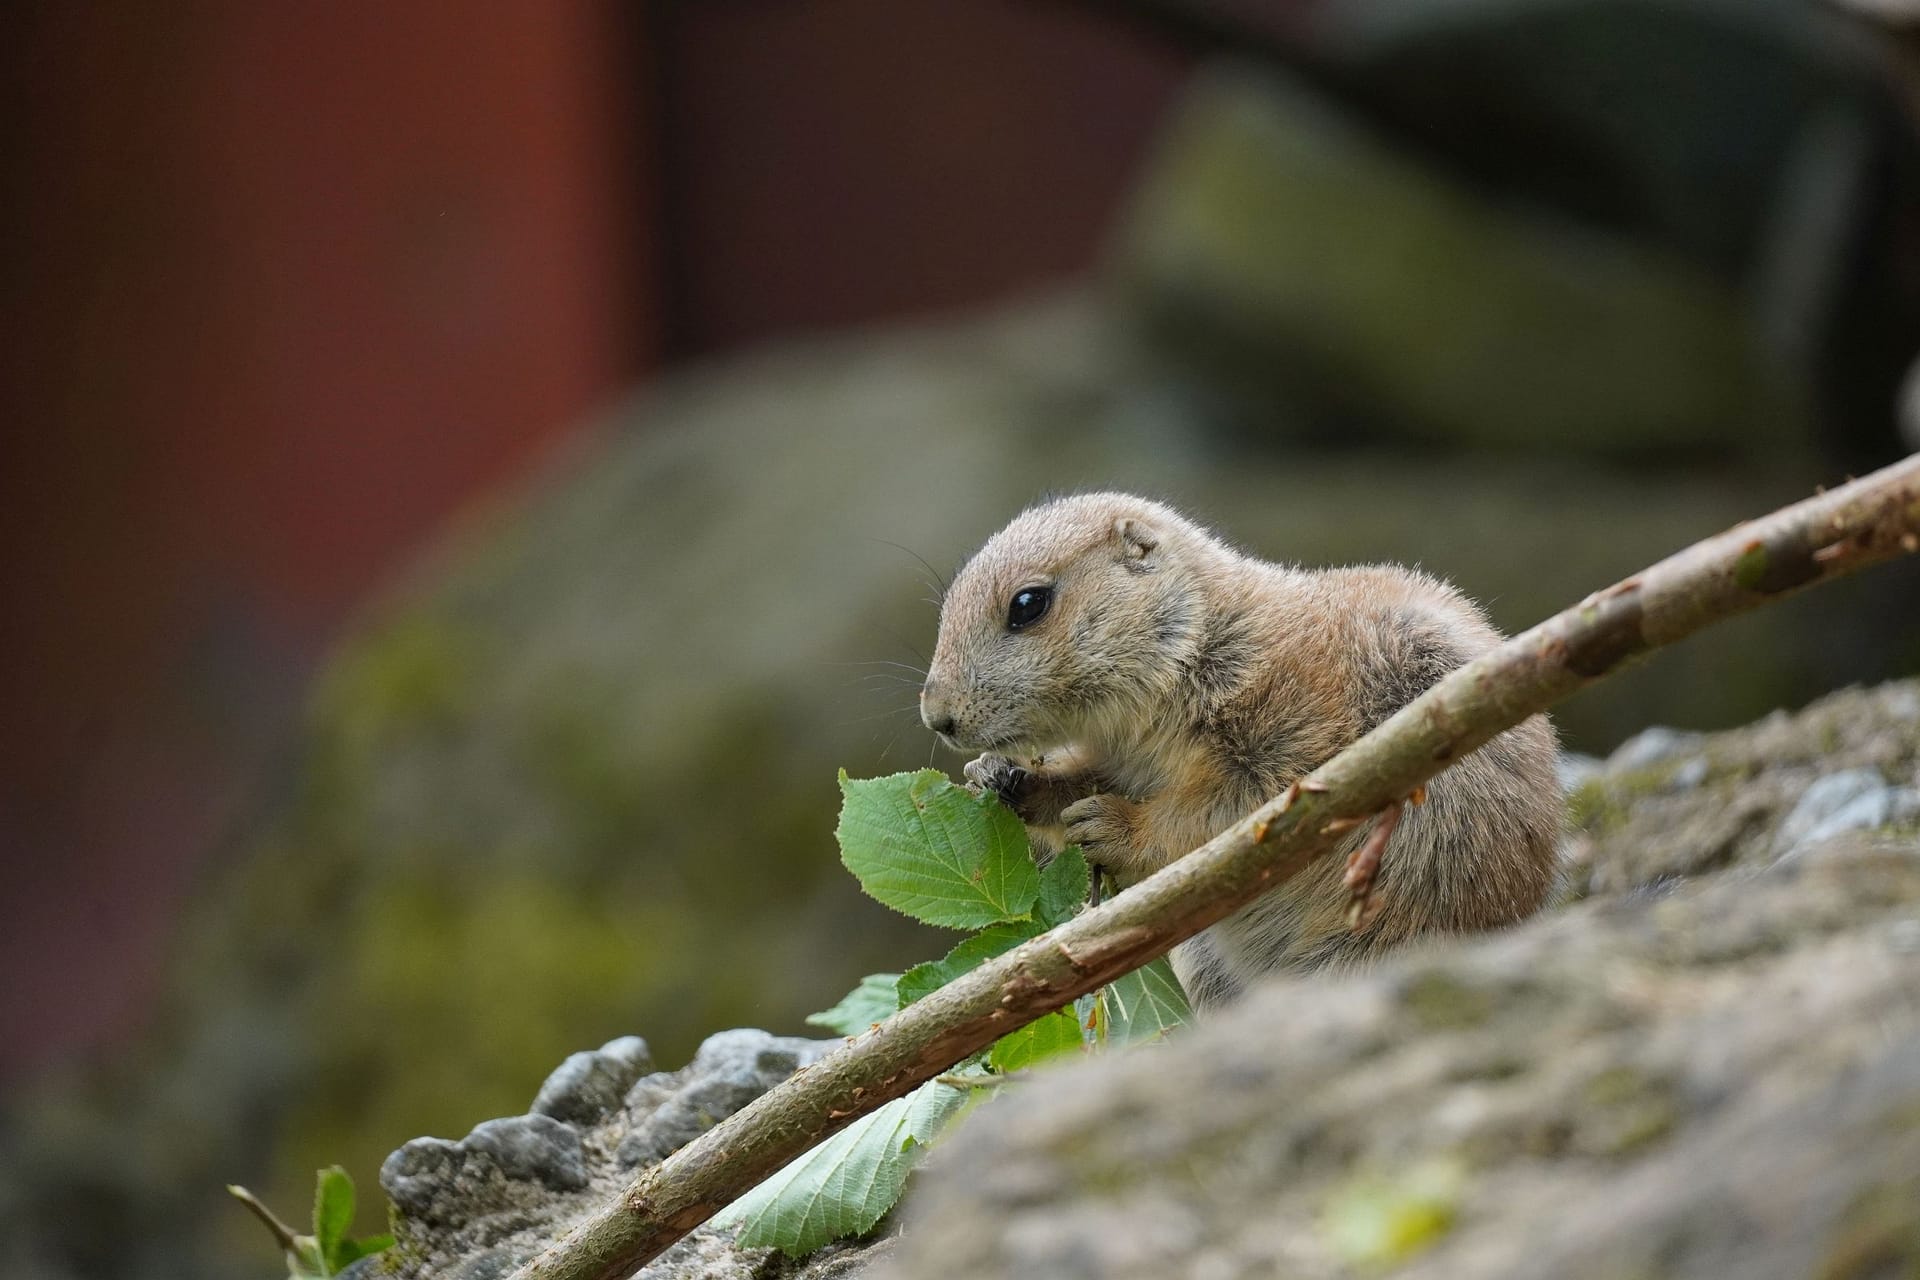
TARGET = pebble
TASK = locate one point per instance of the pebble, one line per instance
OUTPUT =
(1651, 746)
(415, 1175)
(533, 1147)
(731, 1069)
(1689, 775)
(422, 1175)
(587, 1087)
(1850, 800)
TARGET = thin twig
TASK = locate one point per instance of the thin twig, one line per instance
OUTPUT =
(1875, 518)
(283, 1233)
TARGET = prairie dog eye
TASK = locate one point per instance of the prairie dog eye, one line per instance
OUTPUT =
(1029, 605)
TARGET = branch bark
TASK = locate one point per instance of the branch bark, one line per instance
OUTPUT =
(1863, 523)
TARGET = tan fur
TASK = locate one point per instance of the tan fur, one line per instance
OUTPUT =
(1174, 684)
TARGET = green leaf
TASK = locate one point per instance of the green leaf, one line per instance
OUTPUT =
(1144, 1005)
(923, 980)
(1049, 1037)
(874, 1000)
(935, 851)
(353, 1250)
(1063, 886)
(332, 1213)
(846, 1184)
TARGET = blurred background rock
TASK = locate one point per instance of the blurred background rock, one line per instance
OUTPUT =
(467, 472)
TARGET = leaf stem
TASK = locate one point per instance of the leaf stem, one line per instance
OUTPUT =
(282, 1233)
(982, 1082)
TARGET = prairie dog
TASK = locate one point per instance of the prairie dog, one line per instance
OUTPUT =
(1137, 686)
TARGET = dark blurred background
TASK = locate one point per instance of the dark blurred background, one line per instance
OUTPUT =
(466, 470)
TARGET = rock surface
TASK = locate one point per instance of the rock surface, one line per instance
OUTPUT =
(477, 1208)
(588, 1085)
(1705, 1061)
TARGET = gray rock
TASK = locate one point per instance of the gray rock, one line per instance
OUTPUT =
(532, 1148)
(591, 1083)
(416, 1175)
(1717, 1083)
(1652, 746)
(1850, 800)
(507, 1163)
(1690, 774)
(687, 1115)
(1575, 768)
(1825, 797)
(1894, 807)
(1768, 787)
(730, 1070)
(491, 1265)
(741, 1052)
(481, 1207)
(1903, 702)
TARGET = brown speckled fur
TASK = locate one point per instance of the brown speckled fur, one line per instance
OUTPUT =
(1174, 684)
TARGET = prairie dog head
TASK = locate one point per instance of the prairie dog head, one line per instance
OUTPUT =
(1069, 626)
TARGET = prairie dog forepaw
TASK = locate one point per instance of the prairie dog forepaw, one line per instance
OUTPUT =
(1104, 827)
(996, 774)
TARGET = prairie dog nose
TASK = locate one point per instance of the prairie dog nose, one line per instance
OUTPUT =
(933, 710)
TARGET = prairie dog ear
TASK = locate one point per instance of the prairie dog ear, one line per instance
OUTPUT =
(1138, 539)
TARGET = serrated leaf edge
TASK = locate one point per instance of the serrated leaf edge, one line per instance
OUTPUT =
(981, 907)
(764, 1223)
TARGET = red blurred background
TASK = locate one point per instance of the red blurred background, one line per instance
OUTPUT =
(289, 284)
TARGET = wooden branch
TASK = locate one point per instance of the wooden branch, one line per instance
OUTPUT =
(1824, 537)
